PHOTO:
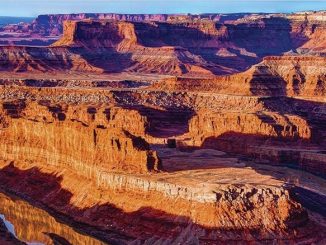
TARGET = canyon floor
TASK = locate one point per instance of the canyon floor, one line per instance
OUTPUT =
(167, 130)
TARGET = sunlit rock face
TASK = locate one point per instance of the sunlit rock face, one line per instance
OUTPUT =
(173, 45)
(168, 129)
(299, 76)
(53, 136)
(64, 147)
(276, 137)
(269, 125)
(291, 76)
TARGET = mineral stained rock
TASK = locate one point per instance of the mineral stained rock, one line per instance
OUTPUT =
(300, 76)
(48, 135)
(170, 129)
(200, 47)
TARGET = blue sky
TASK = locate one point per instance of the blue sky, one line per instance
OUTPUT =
(36, 7)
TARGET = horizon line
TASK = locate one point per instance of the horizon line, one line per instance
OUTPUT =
(171, 13)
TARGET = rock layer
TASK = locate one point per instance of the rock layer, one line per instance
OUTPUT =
(95, 146)
(193, 46)
(302, 76)
(66, 124)
(52, 137)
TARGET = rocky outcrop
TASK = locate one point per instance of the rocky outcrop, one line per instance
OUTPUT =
(243, 37)
(97, 34)
(267, 137)
(270, 125)
(303, 76)
(301, 26)
(178, 46)
(291, 76)
(54, 138)
(225, 208)
(50, 150)
(86, 144)
(31, 59)
(52, 24)
(69, 132)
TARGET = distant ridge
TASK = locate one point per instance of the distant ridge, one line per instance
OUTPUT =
(6, 20)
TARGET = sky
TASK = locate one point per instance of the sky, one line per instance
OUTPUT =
(31, 8)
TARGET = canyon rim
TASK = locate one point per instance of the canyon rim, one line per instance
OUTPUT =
(163, 128)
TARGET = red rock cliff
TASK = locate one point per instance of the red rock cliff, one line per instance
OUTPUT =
(55, 137)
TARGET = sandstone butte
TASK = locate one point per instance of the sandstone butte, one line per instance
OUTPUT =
(167, 129)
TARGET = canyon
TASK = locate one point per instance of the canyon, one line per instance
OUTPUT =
(165, 129)
(193, 46)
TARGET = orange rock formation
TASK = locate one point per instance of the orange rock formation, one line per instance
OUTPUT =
(122, 125)
(53, 137)
(274, 76)
(191, 46)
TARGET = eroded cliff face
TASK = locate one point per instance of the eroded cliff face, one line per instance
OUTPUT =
(52, 24)
(291, 76)
(301, 76)
(269, 125)
(98, 34)
(53, 137)
(177, 46)
(67, 125)
(247, 36)
(269, 137)
(124, 201)
(99, 147)
(31, 59)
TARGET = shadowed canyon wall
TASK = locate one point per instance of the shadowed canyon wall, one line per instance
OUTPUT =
(199, 47)
(93, 146)
(32, 224)
(303, 76)
(121, 124)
